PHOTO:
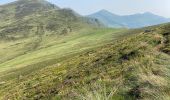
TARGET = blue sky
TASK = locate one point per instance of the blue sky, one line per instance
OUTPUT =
(121, 7)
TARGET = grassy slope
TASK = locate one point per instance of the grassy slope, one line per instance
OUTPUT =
(33, 31)
(134, 67)
(30, 18)
(22, 53)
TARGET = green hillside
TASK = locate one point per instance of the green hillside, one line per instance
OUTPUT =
(33, 30)
(29, 18)
(27, 52)
(135, 66)
(49, 53)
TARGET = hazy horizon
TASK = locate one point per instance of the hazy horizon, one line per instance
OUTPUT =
(120, 7)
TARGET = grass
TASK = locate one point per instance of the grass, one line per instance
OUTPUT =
(96, 92)
(53, 48)
(127, 68)
(62, 56)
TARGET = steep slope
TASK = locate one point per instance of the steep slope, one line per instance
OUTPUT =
(27, 18)
(30, 25)
(130, 21)
(136, 66)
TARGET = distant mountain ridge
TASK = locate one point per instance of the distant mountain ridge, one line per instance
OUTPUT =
(107, 18)
(131, 21)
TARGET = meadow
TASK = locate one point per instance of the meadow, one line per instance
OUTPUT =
(134, 64)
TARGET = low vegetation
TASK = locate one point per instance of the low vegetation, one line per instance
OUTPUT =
(48, 53)
(130, 67)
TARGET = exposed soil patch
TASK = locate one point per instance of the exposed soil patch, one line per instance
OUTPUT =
(166, 48)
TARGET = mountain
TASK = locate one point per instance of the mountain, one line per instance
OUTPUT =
(130, 21)
(31, 30)
(51, 53)
(142, 20)
(107, 18)
(26, 18)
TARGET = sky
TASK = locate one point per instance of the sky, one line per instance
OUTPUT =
(120, 7)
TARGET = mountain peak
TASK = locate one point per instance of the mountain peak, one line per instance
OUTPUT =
(27, 7)
(103, 10)
(106, 12)
(148, 13)
(32, 1)
(44, 2)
